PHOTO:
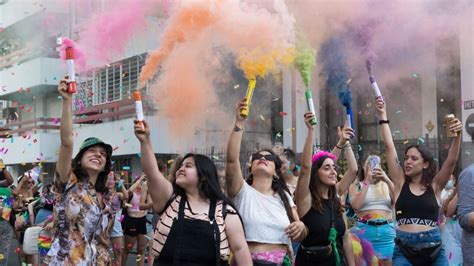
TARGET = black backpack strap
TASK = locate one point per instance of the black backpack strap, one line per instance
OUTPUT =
(179, 230)
(217, 234)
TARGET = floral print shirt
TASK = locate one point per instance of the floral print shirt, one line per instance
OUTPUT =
(83, 221)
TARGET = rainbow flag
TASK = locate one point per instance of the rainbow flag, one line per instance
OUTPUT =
(7, 203)
(44, 244)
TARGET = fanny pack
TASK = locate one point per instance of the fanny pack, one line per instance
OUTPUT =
(420, 253)
(317, 253)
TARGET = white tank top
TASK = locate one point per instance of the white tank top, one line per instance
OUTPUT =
(373, 201)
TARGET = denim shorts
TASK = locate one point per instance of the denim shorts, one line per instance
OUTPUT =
(382, 237)
(117, 229)
(432, 235)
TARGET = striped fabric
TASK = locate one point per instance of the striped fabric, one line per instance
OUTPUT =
(165, 222)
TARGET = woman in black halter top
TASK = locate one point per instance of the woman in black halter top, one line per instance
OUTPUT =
(418, 186)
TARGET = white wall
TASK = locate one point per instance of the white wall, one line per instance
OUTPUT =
(39, 71)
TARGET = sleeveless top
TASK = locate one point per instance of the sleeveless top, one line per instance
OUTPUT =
(318, 226)
(373, 201)
(168, 221)
(412, 209)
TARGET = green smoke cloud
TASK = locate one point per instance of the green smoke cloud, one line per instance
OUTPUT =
(305, 61)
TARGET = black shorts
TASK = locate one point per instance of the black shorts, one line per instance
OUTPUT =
(134, 226)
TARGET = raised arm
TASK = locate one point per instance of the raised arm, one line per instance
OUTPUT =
(145, 201)
(159, 187)
(302, 193)
(447, 169)
(233, 173)
(379, 175)
(340, 144)
(351, 172)
(395, 171)
(63, 166)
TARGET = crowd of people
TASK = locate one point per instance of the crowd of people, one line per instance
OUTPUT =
(280, 213)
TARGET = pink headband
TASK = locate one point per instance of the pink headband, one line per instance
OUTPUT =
(320, 154)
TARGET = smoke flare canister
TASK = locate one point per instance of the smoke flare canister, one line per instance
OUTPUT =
(137, 97)
(71, 87)
(309, 102)
(375, 87)
(250, 89)
(349, 116)
(449, 119)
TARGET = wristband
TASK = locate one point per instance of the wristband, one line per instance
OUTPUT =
(339, 147)
(384, 122)
(238, 129)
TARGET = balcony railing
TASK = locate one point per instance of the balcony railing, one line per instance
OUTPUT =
(97, 114)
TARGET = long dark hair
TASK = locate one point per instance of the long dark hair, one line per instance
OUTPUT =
(315, 182)
(428, 173)
(208, 185)
(82, 175)
(278, 185)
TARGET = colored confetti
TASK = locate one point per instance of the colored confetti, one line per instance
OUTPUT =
(278, 135)
(421, 141)
(139, 155)
(359, 147)
(261, 117)
(406, 142)
(399, 111)
(56, 120)
(414, 75)
(441, 100)
(170, 161)
(116, 148)
(236, 86)
(276, 99)
(282, 113)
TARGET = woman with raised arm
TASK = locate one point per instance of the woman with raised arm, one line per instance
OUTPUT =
(82, 222)
(418, 187)
(318, 198)
(198, 224)
(263, 201)
(373, 198)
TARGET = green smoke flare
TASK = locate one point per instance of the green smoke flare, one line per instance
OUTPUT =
(305, 61)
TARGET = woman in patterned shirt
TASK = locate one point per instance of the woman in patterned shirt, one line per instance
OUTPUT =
(84, 219)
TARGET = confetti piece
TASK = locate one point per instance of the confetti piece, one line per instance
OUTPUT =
(276, 99)
(29, 109)
(116, 148)
(170, 161)
(348, 81)
(359, 147)
(467, 153)
(236, 86)
(278, 135)
(35, 140)
(139, 155)
(215, 157)
(396, 132)
(414, 75)
(421, 141)
(139, 258)
(22, 106)
(261, 117)
(282, 113)
(441, 100)
(406, 142)
(56, 120)
(399, 111)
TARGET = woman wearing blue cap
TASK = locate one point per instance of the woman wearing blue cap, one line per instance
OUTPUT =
(83, 220)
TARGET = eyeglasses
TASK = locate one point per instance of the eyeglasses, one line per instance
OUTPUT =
(268, 157)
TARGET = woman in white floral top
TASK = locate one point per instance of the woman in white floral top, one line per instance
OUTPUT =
(84, 217)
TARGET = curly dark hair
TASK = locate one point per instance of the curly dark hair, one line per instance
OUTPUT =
(428, 173)
(278, 185)
(315, 182)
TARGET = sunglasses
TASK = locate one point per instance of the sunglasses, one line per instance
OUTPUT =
(268, 157)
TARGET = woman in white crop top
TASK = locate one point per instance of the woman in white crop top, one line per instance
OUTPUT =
(264, 202)
(373, 201)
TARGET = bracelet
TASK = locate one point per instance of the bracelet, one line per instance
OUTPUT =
(384, 122)
(339, 147)
(238, 129)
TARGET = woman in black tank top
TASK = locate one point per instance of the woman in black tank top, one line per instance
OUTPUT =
(319, 204)
(418, 186)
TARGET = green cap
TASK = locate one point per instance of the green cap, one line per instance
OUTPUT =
(89, 142)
